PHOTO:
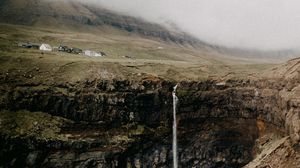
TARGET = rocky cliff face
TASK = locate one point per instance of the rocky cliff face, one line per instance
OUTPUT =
(122, 123)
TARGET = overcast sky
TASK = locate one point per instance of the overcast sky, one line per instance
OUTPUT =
(262, 24)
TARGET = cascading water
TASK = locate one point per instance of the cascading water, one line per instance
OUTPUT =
(175, 99)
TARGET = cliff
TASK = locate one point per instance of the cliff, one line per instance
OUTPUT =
(126, 122)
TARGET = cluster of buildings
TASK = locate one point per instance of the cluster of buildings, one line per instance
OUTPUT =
(62, 48)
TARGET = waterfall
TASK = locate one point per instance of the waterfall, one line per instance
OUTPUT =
(175, 100)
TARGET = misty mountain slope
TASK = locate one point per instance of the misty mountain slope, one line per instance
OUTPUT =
(146, 48)
(71, 14)
(271, 55)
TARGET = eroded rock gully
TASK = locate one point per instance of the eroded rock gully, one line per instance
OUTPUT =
(122, 123)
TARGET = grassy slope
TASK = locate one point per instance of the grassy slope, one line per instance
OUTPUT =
(150, 56)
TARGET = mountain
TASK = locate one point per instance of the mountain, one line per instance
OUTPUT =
(74, 15)
(70, 14)
(280, 55)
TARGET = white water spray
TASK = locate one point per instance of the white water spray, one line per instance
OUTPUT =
(175, 100)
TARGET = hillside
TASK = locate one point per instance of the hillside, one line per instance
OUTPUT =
(152, 48)
(68, 15)
(82, 17)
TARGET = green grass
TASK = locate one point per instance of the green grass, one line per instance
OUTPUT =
(26, 124)
(172, 62)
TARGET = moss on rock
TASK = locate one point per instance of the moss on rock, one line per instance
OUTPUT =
(31, 124)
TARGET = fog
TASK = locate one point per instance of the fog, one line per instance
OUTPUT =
(259, 24)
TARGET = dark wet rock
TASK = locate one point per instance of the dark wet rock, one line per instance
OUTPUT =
(218, 123)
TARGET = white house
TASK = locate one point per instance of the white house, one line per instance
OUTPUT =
(92, 53)
(45, 47)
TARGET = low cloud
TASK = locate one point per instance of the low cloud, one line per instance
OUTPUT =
(260, 24)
